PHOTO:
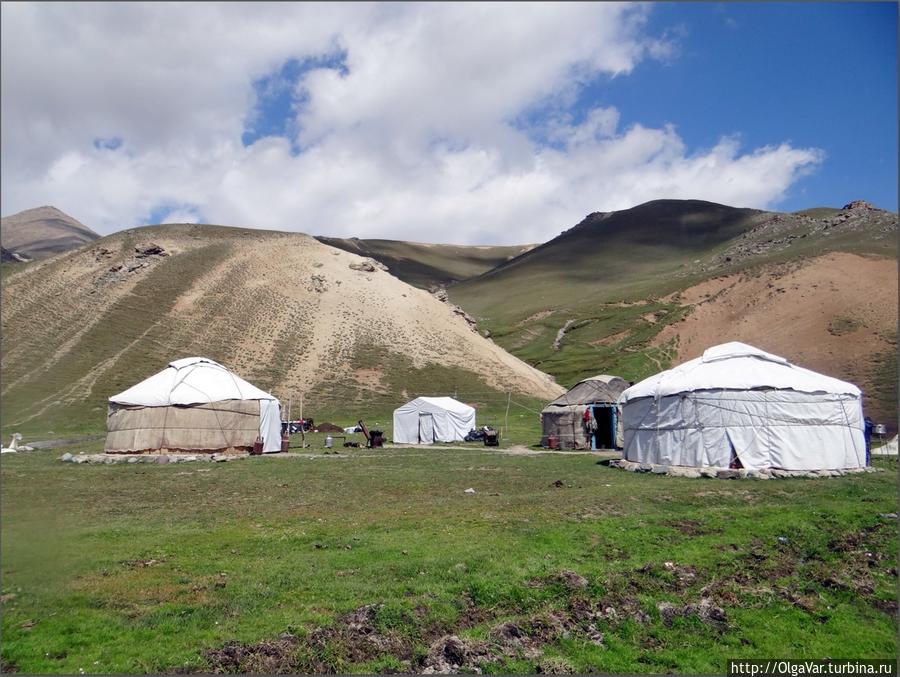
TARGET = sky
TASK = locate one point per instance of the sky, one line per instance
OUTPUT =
(464, 123)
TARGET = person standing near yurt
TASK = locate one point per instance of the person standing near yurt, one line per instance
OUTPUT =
(868, 435)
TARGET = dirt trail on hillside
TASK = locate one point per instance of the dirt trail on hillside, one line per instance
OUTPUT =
(831, 314)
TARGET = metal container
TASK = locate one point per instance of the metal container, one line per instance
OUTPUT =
(552, 442)
(257, 447)
(329, 442)
(880, 429)
(285, 443)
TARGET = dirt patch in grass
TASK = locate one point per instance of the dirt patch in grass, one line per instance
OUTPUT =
(352, 639)
(272, 657)
(691, 527)
(638, 603)
(708, 613)
(450, 654)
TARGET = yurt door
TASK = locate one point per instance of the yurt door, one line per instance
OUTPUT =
(605, 433)
(426, 428)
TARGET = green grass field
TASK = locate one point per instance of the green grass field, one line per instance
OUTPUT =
(198, 567)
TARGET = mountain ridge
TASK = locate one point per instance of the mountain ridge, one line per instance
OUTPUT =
(43, 231)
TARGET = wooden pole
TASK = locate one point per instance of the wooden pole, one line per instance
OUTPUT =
(508, 400)
(302, 424)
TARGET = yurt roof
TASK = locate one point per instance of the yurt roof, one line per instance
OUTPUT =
(737, 366)
(192, 380)
(446, 403)
(602, 388)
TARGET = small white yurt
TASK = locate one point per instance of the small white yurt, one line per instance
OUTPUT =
(432, 419)
(194, 405)
(738, 406)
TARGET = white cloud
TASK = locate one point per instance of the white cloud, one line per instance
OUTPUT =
(420, 137)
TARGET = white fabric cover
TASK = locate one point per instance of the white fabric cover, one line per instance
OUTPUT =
(451, 420)
(889, 449)
(736, 366)
(771, 413)
(199, 380)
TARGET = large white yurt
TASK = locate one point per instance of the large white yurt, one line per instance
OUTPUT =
(738, 406)
(432, 419)
(195, 405)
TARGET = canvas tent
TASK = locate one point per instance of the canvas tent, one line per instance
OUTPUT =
(738, 406)
(196, 405)
(887, 449)
(432, 419)
(563, 419)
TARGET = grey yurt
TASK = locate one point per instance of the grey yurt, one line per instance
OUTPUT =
(586, 417)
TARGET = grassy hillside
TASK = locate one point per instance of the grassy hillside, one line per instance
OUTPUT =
(285, 312)
(426, 265)
(595, 298)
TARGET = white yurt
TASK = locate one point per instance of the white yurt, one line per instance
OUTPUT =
(432, 419)
(738, 406)
(195, 405)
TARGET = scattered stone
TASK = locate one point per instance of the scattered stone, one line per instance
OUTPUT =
(150, 249)
(470, 490)
(132, 460)
(66, 457)
(317, 283)
(440, 293)
(473, 325)
(728, 474)
(659, 469)
(368, 266)
(676, 471)
(888, 515)
(644, 467)
(594, 635)
(857, 204)
(162, 460)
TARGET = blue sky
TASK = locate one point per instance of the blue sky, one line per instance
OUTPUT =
(816, 74)
(472, 123)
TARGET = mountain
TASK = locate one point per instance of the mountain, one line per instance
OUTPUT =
(287, 313)
(428, 265)
(638, 290)
(43, 231)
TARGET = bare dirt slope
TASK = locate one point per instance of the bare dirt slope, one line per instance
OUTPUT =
(836, 314)
(286, 312)
(43, 231)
